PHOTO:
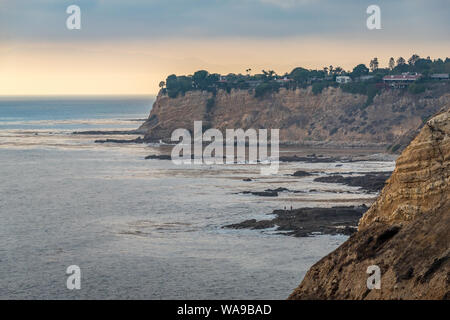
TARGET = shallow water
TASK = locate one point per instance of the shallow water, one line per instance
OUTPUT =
(138, 228)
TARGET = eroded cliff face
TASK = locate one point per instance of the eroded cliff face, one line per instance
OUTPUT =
(331, 117)
(406, 232)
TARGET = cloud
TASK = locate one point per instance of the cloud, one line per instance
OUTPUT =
(108, 20)
(289, 3)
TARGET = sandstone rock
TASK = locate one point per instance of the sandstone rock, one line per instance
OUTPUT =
(405, 232)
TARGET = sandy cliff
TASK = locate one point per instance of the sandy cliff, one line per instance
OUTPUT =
(406, 232)
(331, 117)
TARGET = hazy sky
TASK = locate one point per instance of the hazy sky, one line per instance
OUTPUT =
(127, 47)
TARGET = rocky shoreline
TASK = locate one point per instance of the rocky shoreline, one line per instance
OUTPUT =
(111, 132)
(369, 182)
(305, 222)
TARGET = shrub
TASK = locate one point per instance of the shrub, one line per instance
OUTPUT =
(266, 87)
(318, 87)
(416, 88)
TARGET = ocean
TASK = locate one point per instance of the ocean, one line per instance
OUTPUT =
(143, 229)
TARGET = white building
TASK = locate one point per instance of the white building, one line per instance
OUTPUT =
(343, 79)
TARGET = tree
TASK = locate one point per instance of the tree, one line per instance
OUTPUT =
(391, 63)
(412, 61)
(268, 74)
(299, 74)
(373, 64)
(172, 86)
(338, 70)
(200, 79)
(360, 70)
(401, 61)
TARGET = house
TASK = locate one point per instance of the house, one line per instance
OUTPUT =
(365, 78)
(283, 80)
(401, 80)
(440, 76)
(343, 79)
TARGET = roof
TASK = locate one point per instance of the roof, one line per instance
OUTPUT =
(402, 77)
(440, 75)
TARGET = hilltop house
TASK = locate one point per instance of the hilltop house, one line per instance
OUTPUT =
(222, 79)
(401, 80)
(440, 76)
(365, 78)
(283, 80)
(343, 79)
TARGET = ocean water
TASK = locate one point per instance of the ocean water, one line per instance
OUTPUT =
(143, 229)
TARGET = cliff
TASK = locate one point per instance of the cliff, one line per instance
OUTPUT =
(405, 232)
(332, 117)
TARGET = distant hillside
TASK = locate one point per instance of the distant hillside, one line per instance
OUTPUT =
(331, 117)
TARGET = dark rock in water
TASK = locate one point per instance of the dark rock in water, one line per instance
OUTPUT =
(305, 222)
(262, 193)
(308, 159)
(301, 173)
(271, 192)
(162, 157)
(137, 140)
(252, 224)
(159, 157)
(247, 179)
(280, 189)
(113, 132)
(371, 182)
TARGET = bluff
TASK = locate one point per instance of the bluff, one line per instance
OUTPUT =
(406, 232)
(332, 117)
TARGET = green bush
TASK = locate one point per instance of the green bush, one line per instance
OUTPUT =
(266, 87)
(416, 88)
(317, 87)
(365, 88)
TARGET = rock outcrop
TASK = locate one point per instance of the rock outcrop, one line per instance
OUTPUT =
(406, 232)
(332, 117)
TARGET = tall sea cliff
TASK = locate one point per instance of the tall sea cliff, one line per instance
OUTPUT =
(332, 117)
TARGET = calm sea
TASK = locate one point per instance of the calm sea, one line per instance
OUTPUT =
(143, 229)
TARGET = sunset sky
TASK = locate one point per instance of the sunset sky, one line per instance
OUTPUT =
(127, 47)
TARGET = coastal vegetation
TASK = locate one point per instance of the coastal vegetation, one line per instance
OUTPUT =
(362, 79)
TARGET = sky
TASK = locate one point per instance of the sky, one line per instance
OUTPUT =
(128, 47)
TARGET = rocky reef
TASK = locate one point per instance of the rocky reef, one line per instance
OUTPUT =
(305, 222)
(406, 232)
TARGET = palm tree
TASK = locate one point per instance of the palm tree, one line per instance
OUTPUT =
(391, 63)
(374, 64)
(338, 70)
